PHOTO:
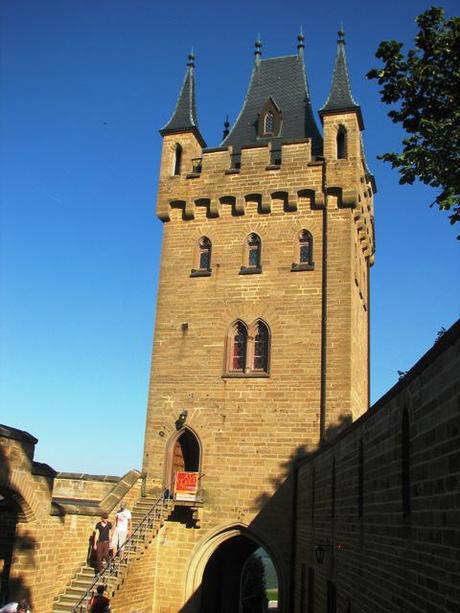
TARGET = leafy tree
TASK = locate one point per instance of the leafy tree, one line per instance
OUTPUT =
(253, 587)
(425, 87)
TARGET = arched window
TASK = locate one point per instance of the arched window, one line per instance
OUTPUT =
(202, 258)
(204, 247)
(303, 252)
(252, 255)
(253, 251)
(341, 143)
(239, 348)
(261, 345)
(305, 247)
(248, 349)
(268, 123)
(178, 159)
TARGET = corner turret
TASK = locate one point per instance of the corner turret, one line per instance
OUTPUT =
(184, 118)
(182, 141)
(340, 99)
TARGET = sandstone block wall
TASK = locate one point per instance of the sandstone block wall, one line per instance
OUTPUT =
(45, 539)
(251, 429)
(388, 519)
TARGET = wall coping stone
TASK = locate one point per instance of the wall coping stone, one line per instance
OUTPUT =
(78, 506)
(17, 435)
(88, 477)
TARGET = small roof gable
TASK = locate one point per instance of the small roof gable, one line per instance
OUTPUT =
(282, 79)
(340, 97)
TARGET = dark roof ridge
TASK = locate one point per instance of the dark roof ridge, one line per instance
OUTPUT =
(279, 57)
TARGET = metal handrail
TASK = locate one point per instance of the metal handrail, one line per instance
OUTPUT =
(155, 513)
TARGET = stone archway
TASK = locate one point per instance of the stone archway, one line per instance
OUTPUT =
(216, 575)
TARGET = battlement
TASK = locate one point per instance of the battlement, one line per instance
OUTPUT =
(258, 180)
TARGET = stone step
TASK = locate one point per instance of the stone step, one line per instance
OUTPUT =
(85, 577)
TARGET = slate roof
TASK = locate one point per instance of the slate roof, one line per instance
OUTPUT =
(340, 97)
(285, 81)
(184, 117)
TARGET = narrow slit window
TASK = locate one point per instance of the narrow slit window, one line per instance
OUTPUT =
(341, 143)
(178, 160)
(333, 489)
(360, 479)
(405, 463)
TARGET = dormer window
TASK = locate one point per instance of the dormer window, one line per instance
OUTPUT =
(268, 124)
(269, 120)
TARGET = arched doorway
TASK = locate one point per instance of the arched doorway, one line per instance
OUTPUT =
(239, 576)
(11, 513)
(182, 455)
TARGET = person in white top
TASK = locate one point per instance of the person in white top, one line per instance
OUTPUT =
(123, 528)
(16, 607)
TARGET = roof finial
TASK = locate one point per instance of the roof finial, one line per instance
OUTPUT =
(258, 52)
(300, 43)
(341, 35)
(191, 59)
(226, 127)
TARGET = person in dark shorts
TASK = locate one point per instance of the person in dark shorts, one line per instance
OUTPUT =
(102, 538)
(99, 603)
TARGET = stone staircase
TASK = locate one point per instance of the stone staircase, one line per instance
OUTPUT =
(148, 516)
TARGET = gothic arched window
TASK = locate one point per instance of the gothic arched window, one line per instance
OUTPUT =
(341, 143)
(178, 159)
(248, 349)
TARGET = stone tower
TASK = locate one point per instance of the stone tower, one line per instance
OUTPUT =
(261, 346)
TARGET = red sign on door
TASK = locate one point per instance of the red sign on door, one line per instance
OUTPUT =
(186, 486)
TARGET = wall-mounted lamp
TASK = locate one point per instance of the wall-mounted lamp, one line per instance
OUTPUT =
(180, 421)
(320, 551)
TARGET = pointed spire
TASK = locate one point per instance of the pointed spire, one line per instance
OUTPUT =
(340, 97)
(226, 127)
(184, 118)
(258, 52)
(300, 44)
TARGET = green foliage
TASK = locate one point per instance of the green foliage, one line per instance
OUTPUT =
(425, 87)
(253, 587)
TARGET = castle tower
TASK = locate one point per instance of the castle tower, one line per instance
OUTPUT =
(261, 338)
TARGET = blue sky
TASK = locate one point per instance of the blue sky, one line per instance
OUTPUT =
(85, 88)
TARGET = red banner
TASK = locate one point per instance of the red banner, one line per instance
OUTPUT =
(186, 486)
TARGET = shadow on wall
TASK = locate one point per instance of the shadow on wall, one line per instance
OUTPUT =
(270, 506)
(287, 467)
(14, 543)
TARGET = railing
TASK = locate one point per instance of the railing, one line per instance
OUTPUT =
(119, 562)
